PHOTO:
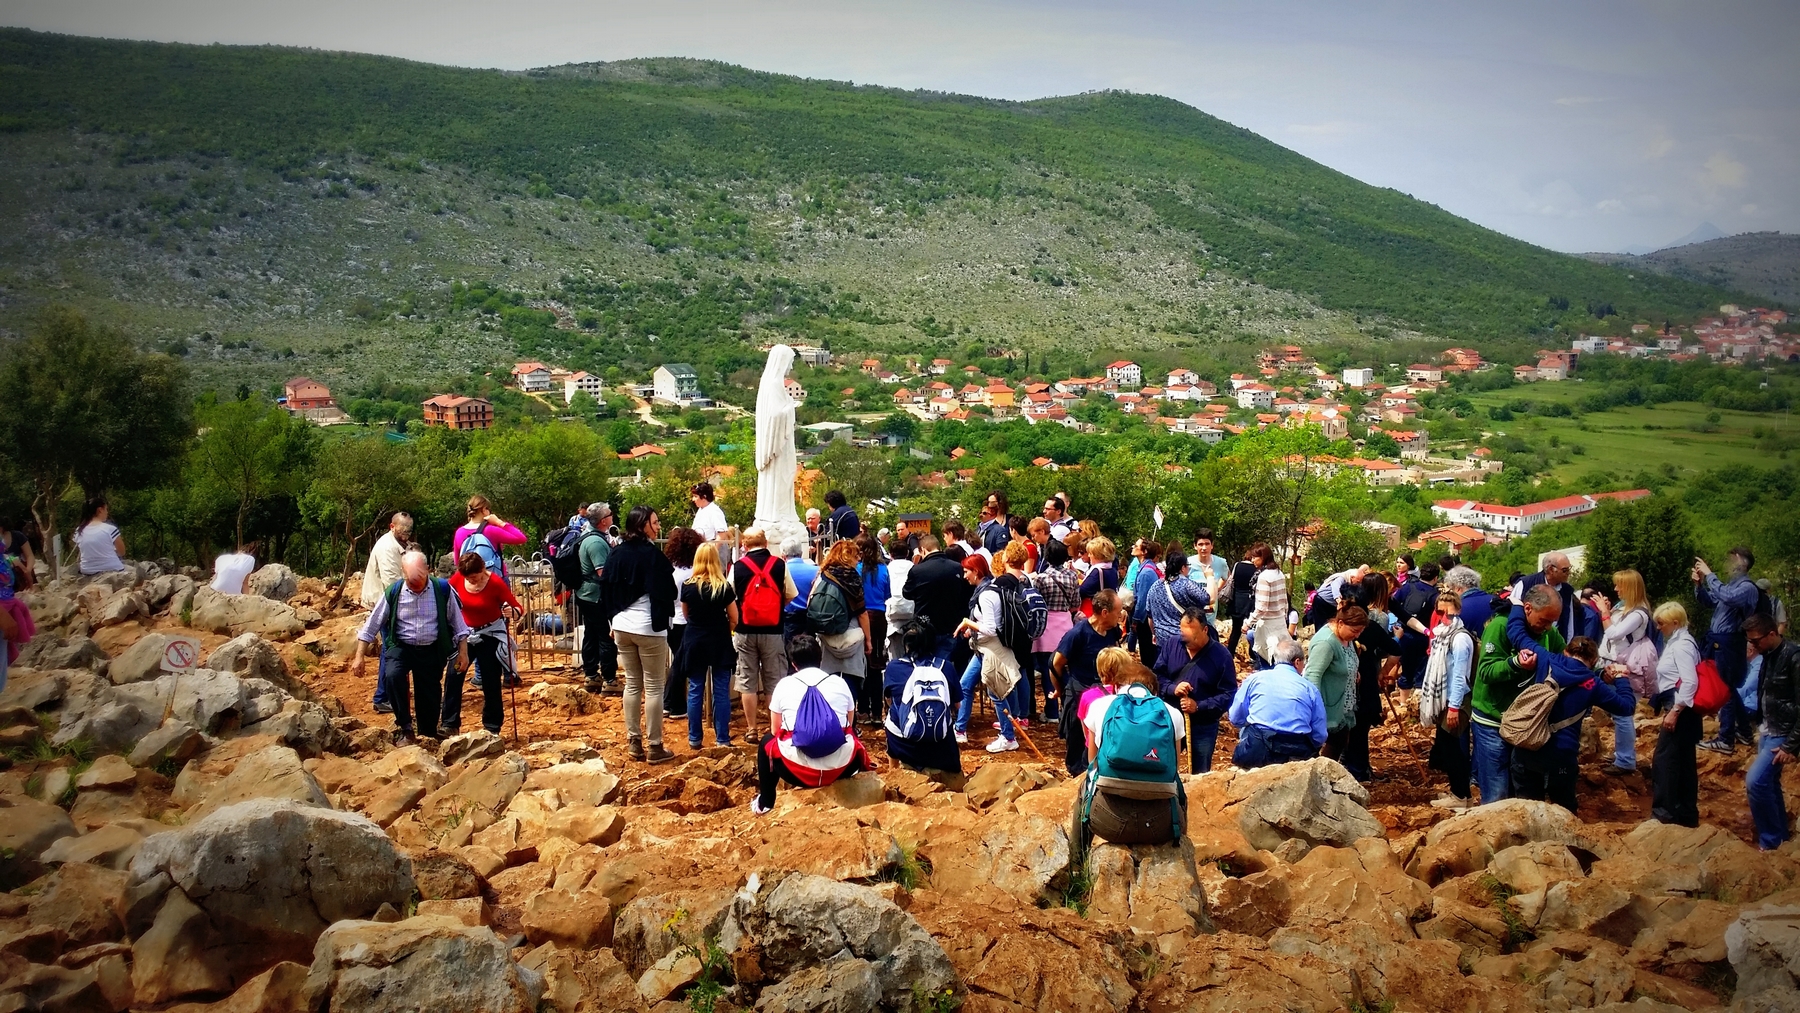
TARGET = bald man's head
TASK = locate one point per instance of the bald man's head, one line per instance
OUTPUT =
(415, 568)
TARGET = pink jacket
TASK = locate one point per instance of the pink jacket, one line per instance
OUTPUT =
(499, 534)
(27, 628)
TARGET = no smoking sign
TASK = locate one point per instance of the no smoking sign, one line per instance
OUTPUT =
(182, 654)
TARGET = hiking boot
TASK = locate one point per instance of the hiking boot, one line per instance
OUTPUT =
(1452, 802)
(658, 754)
(402, 740)
(1717, 746)
(1614, 770)
(384, 708)
(696, 744)
(634, 748)
(593, 686)
(1003, 745)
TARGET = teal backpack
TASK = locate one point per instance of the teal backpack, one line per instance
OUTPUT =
(1138, 757)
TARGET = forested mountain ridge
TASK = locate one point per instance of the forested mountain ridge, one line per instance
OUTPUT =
(272, 211)
(1764, 264)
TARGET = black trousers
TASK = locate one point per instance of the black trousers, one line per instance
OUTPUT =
(1237, 630)
(1674, 772)
(675, 689)
(868, 701)
(1146, 649)
(1075, 741)
(599, 655)
(415, 685)
(1545, 778)
(1450, 754)
(770, 772)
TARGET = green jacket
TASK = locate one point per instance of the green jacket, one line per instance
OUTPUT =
(1331, 666)
(1497, 680)
(593, 551)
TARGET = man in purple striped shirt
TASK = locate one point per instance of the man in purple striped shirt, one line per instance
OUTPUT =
(419, 622)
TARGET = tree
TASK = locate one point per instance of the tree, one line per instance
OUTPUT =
(84, 407)
(360, 483)
(1341, 546)
(1380, 444)
(1651, 536)
(256, 450)
(540, 472)
(900, 424)
(862, 475)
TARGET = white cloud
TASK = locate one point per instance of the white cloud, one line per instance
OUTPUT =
(1722, 170)
(1610, 206)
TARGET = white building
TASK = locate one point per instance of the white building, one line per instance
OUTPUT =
(1182, 378)
(1256, 395)
(583, 382)
(1520, 520)
(828, 431)
(532, 377)
(1588, 344)
(1125, 374)
(676, 383)
(1359, 377)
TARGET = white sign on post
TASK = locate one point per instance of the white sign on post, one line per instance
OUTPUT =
(181, 655)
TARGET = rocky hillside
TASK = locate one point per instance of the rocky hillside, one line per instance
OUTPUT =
(1764, 264)
(271, 211)
(234, 839)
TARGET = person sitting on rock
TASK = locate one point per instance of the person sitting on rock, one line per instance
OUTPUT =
(921, 704)
(1279, 713)
(812, 737)
(1132, 793)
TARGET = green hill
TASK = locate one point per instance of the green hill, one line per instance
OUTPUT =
(268, 211)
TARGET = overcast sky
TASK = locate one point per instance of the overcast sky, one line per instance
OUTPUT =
(1577, 125)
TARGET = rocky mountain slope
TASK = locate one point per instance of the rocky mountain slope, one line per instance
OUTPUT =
(272, 211)
(231, 839)
(1763, 264)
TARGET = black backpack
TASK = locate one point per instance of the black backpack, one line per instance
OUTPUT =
(565, 560)
(1015, 618)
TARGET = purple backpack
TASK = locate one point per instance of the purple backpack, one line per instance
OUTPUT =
(818, 730)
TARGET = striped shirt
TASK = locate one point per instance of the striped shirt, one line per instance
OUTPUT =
(1271, 595)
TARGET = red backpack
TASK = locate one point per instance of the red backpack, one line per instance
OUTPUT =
(762, 598)
(1712, 692)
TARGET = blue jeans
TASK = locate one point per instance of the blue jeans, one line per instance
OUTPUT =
(1762, 782)
(704, 651)
(1625, 741)
(1203, 737)
(1259, 747)
(972, 678)
(1493, 763)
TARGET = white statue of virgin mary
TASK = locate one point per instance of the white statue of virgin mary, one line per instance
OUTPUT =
(776, 463)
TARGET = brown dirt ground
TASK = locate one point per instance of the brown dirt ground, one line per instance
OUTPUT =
(1400, 794)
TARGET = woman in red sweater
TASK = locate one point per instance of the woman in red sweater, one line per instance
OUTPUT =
(484, 599)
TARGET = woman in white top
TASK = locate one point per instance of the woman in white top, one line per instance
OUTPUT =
(1271, 615)
(102, 547)
(994, 665)
(1674, 773)
(1627, 624)
(231, 569)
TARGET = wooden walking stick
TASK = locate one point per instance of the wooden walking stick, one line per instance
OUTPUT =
(1387, 693)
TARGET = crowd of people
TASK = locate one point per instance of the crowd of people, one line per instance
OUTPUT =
(842, 630)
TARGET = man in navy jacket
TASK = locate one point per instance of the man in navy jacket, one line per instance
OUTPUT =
(1196, 673)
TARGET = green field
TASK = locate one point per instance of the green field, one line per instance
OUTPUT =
(1625, 441)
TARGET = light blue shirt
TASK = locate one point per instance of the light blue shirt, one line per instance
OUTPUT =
(1459, 666)
(418, 618)
(1280, 699)
(1732, 602)
(1168, 598)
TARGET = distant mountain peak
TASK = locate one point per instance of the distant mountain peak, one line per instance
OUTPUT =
(1704, 232)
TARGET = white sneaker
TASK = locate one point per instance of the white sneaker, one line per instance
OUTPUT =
(962, 738)
(756, 806)
(1002, 745)
(1448, 801)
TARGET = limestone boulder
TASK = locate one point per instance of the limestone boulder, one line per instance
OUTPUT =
(273, 772)
(584, 981)
(33, 689)
(581, 781)
(1364, 886)
(27, 829)
(280, 989)
(417, 964)
(250, 656)
(234, 614)
(840, 985)
(110, 718)
(107, 773)
(1230, 973)
(103, 985)
(171, 591)
(302, 724)
(81, 900)
(1764, 947)
(50, 610)
(803, 921)
(121, 607)
(1153, 890)
(175, 740)
(50, 652)
(1024, 854)
(112, 846)
(823, 841)
(272, 580)
(1315, 802)
(479, 744)
(1468, 841)
(650, 926)
(578, 920)
(441, 875)
(275, 873)
(476, 795)
(1002, 783)
(142, 660)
